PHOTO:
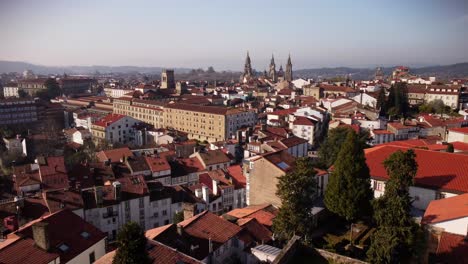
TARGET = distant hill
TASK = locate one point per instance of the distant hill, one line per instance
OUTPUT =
(459, 70)
(16, 66)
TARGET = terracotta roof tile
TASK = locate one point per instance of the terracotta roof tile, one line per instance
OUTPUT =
(446, 209)
(449, 173)
(452, 249)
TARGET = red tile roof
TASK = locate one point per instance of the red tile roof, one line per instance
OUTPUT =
(159, 253)
(436, 170)
(108, 120)
(264, 213)
(64, 227)
(238, 176)
(446, 209)
(303, 121)
(157, 164)
(114, 154)
(463, 130)
(452, 249)
(207, 225)
(457, 145)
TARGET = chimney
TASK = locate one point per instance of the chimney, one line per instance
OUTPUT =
(205, 194)
(98, 195)
(180, 230)
(117, 190)
(210, 245)
(215, 187)
(41, 235)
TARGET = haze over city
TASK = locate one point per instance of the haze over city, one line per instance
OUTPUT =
(218, 33)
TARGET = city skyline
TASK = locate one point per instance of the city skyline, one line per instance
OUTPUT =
(183, 34)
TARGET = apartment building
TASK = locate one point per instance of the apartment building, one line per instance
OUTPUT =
(75, 85)
(211, 123)
(114, 128)
(32, 86)
(448, 94)
(18, 111)
(10, 90)
(148, 111)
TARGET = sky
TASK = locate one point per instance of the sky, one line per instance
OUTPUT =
(218, 33)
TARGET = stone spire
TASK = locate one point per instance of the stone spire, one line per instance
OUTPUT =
(288, 76)
(272, 72)
(247, 67)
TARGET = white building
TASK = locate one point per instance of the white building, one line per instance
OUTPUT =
(10, 90)
(115, 128)
(434, 180)
(116, 92)
(365, 99)
(458, 134)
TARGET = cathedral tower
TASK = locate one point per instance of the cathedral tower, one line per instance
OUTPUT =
(288, 76)
(272, 72)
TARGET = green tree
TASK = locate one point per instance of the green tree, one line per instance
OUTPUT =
(297, 191)
(396, 236)
(381, 102)
(349, 192)
(131, 243)
(52, 90)
(329, 149)
(397, 103)
(22, 94)
(178, 217)
(450, 148)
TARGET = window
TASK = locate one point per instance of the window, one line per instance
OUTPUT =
(92, 257)
(142, 202)
(164, 212)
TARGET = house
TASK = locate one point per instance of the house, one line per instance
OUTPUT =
(114, 155)
(365, 99)
(439, 175)
(458, 134)
(239, 181)
(62, 237)
(449, 215)
(305, 128)
(47, 173)
(158, 253)
(263, 213)
(114, 128)
(449, 248)
(295, 146)
(262, 173)
(380, 136)
(404, 130)
(212, 159)
(16, 145)
(205, 237)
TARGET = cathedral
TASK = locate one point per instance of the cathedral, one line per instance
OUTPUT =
(273, 75)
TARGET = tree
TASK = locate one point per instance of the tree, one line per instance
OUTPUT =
(131, 243)
(450, 148)
(381, 103)
(22, 94)
(330, 148)
(52, 90)
(297, 191)
(349, 192)
(397, 233)
(397, 103)
(178, 217)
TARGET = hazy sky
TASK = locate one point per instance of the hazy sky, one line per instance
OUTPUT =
(198, 33)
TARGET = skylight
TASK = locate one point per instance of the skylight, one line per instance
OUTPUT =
(282, 165)
(85, 234)
(63, 247)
